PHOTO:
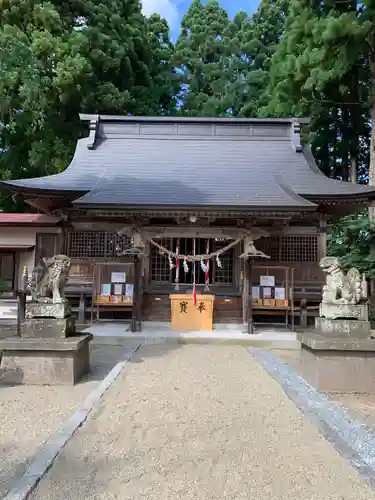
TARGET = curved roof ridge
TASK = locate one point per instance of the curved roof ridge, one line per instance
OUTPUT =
(53, 181)
(264, 171)
(285, 186)
(355, 188)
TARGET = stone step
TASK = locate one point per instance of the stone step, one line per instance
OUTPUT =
(8, 310)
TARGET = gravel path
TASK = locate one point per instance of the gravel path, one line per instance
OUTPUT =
(198, 422)
(30, 415)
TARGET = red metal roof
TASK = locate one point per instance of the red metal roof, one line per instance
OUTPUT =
(32, 219)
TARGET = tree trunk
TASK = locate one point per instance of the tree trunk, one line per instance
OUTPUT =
(371, 170)
(353, 170)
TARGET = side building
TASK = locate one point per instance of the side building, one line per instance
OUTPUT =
(199, 185)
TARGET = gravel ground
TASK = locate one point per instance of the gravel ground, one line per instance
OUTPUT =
(361, 406)
(30, 415)
(199, 422)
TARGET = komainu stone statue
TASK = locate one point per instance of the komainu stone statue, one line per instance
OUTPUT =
(50, 279)
(47, 289)
(344, 295)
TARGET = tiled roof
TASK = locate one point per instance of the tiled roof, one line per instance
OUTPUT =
(164, 162)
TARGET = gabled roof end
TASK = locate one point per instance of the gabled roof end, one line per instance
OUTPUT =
(93, 127)
(295, 132)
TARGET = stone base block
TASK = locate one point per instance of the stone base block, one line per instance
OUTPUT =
(343, 328)
(47, 310)
(338, 365)
(51, 328)
(340, 311)
(44, 362)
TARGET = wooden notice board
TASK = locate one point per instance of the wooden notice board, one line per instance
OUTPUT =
(113, 287)
(271, 291)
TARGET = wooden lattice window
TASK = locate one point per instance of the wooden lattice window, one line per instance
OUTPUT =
(270, 246)
(299, 248)
(96, 244)
(160, 268)
(46, 246)
(287, 249)
(224, 274)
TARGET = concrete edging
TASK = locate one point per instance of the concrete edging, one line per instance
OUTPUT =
(45, 457)
(354, 440)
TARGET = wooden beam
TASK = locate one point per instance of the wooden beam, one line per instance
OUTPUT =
(98, 226)
(202, 232)
(41, 204)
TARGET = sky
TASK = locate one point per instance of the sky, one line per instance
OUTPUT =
(173, 10)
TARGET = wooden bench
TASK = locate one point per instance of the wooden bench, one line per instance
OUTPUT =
(81, 292)
(307, 298)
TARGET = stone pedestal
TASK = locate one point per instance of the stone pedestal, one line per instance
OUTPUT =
(343, 328)
(340, 311)
(338, 364)
(47, 310)
(51, 328)
(44, 362)
(48, 352)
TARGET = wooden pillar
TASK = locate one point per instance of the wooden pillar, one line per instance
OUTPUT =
(245, 290)
(303, 313)
(133, 326)
(136, 297)
(21, 309)
(250, 326)
(322, 242)
(247, 312)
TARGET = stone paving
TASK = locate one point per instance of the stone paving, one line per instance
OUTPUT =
(361, 406)
(199, 422)
(30, 415)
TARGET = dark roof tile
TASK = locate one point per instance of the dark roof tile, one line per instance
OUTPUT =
(164, 162)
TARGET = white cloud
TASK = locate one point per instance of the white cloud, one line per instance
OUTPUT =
(166, 9)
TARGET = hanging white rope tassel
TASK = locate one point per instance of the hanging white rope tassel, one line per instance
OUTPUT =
(218, 262)
(185, 266)
(204, 266)
(171, 265)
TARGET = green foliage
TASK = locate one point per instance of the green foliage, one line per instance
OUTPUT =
(223, 64)
(256, 39)
(351, 239)
(322, 69)
(202, 53)
(62, 58)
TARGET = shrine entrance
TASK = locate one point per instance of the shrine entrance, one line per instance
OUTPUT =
(198, 269)
(192, 246)
(220, 270)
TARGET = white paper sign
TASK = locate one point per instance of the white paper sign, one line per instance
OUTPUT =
(267, 293)
(118, 277)
(118, 288)
(129, 290)
(280, 293)
(267, 281)
(255, 292)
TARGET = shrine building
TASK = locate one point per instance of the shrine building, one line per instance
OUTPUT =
(232, 207)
